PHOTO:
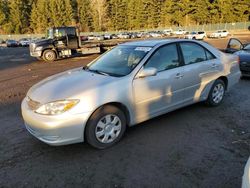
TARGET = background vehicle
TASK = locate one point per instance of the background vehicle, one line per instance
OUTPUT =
(156, 34)
(114, 36)
(91, 37)
(243, 51)
(127, 86)
(24, 42)
(84, 38)
(180, 32)
(200, 35)
(134, 35)
(219, 34)
(63, 42)
(12, 43)
(107, 36)
(99, 37)
(2, 41)
(168, 32)
(124, 36)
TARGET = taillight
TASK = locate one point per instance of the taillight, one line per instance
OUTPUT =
(238, 59)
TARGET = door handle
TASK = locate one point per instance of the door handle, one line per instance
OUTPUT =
(178, 76)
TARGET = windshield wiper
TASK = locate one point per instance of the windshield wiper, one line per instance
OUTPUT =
(97, 71)
(101, 72)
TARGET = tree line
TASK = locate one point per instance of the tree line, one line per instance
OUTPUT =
(34, 16)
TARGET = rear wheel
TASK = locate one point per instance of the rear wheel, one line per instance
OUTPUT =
(216, 94)
(49, 55)
(105, 127)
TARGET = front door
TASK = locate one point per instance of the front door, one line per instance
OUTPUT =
(72, 38)
(155, 95)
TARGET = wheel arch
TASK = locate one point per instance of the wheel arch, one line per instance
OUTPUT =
(225, 80)
(118, 105)
(53, 49)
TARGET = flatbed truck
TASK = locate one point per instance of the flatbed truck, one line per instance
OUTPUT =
(61, 42)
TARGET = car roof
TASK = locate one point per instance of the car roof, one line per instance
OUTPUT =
(152, 43)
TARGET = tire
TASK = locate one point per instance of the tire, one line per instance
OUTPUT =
(105, 123)
(216, 94)
(49, 55)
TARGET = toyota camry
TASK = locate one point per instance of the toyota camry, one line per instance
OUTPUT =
(129, 84)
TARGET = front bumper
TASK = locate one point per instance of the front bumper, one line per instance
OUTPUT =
(61, 129)
(36, 54)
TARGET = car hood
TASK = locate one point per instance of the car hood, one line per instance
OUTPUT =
(244, 55)
(67, 85)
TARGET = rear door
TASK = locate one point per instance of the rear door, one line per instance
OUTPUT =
(201, 67)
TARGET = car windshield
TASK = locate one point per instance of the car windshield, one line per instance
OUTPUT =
(118, 62)
(50, 34)
(193, 32)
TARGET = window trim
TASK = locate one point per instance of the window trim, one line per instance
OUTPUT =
(204, 48)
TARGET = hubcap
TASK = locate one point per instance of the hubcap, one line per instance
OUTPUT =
(50, 56)
(218, 93)
(108, 128)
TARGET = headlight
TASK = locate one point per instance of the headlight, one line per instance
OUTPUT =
(39, 48)
(57, 107)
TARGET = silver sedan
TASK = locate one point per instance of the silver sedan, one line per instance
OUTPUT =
(130, 84)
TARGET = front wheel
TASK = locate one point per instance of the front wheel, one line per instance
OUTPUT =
(49, 55)
(105, 127)
(216, 94)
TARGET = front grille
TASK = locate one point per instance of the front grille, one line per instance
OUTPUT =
(33, 105)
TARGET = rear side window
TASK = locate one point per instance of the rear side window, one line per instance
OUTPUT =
(193, 53)
(164, 58)
(209, 55)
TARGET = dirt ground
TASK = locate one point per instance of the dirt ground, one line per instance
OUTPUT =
(193, 147)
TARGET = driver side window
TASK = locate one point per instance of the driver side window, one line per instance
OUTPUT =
(164, 58)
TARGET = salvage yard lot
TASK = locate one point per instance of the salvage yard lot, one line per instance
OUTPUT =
(192, 147)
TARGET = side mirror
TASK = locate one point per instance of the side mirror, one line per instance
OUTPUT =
(147, 72)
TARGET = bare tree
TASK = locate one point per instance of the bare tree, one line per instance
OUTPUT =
(99, 11)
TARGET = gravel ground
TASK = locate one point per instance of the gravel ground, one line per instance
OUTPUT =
(195, 146)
